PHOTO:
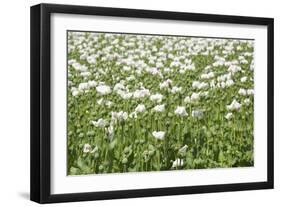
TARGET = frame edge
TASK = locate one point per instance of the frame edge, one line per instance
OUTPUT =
(270, 103)
(35, 25)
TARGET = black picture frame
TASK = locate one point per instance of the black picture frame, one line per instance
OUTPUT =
(41, 96)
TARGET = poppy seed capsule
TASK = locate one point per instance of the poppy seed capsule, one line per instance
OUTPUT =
(101, 167)
(127, 150)
(96, 155)
(124, 160)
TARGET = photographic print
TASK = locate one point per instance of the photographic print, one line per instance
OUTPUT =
(123, 100)
(146, 102)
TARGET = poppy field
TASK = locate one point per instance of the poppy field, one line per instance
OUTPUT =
(139, 103)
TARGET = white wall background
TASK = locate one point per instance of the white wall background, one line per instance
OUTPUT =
(14, 101)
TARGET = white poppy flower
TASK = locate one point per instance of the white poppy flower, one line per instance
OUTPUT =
(85, 74)
(166, 84)
(196, 84)
(252, 66)
(83, 56)
(204, 76)
(211, 75)
(78, 66)
(244, 61)
(247, 101)
(108, 103)
(154, 71)
(207, 75)
(87, 148)
(103, 89)
(213, 84)
(182, 71)
(126, 95)
(239, 48)
(197, 114)
(234, 106)
(71, 61)
(180, 110)
(75, 93)
(177, 163)
(130, 78)
(243, 79)
(159, 108)
(190, 67)
(176, 89)
(156, 97)
(229, 83)
(234, 68)
(118, 87)
(91, 60)
(159, 135)
(92, 83)
(200, 85)
(141, 93)
(224, 77)
(222, 85)
(121, 116)
(220, 62)
(195, 97)
(101, 123)
(250, 92)
(204, 94)
(207, 68)
(167, 70)
(187, 99)
(159, 65)
(83, 86)
(175, 64)
(126, 68)
(228, 116)
(248, 54)
(242, 92)
(140, 108)
(133, 115)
